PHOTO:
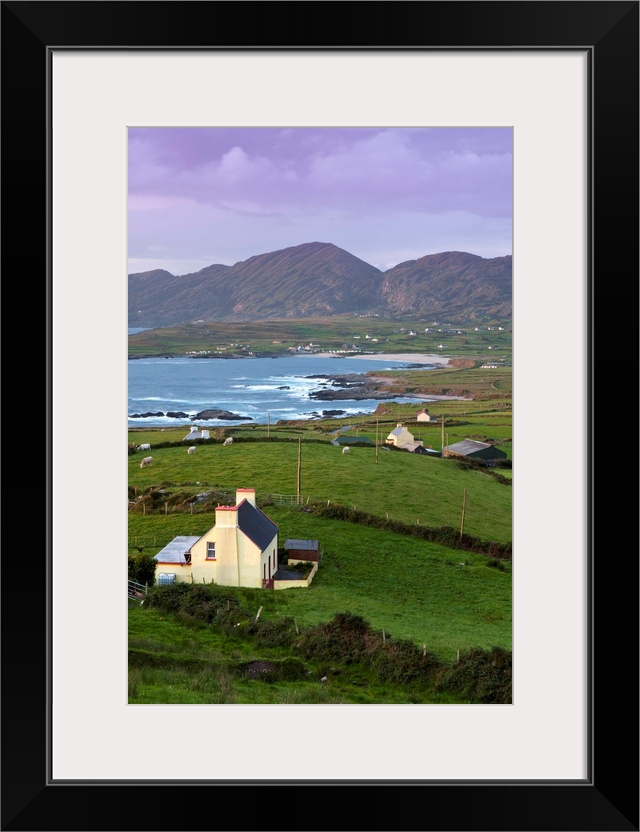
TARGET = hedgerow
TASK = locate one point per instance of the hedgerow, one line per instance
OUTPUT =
(482, 676)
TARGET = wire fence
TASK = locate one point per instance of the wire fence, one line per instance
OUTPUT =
(140, 506)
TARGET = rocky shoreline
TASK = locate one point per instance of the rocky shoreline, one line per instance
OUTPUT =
(212, 413)
(352, 387)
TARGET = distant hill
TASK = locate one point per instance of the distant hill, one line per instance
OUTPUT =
(452, 282)
(320, 279)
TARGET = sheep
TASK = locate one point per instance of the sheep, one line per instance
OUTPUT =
(146, 461)
(345, 450)
(145, 447)
(191, 450)
(228, 441)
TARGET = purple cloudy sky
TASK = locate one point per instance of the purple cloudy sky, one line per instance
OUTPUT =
(199, 196)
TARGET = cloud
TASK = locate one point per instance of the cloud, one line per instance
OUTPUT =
(375, 192)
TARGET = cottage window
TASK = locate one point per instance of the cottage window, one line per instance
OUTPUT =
(211, 550)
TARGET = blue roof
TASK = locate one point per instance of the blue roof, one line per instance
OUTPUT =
(256, 525)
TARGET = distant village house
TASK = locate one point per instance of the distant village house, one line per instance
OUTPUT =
(472, 449)
(196, 433)
(400, 436)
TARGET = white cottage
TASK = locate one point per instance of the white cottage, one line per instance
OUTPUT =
(196, 433)
(241, 549)
(399, 437)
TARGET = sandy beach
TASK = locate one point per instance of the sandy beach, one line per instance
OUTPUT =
(413, 358)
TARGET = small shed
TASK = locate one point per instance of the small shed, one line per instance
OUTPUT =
(302, 550)
(423, 416)
(472, 449)
(414, 448)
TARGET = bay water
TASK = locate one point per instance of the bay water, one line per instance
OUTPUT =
(257, 390)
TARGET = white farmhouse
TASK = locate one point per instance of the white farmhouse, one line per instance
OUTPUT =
(399, 437)
(241, 549)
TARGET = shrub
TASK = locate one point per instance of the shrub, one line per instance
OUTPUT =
(400, 662)
(303, 567)
(204, 603)
(276, 633)
(142, 568)
(344, 639)
(481, 676)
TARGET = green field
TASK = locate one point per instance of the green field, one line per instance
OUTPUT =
(448, 602)
(335, 333)
(414, 589)
(400, 486)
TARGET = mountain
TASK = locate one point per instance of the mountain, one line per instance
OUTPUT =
(320, 279)
(451, 282)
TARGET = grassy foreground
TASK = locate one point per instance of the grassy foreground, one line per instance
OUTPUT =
(446, 609)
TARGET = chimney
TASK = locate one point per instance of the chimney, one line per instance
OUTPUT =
(227, 517)
(248, 494)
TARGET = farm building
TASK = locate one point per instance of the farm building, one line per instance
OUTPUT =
(197, 433)
(241, 549)
(424, 416)
(399, 437)
(472, 449)
(415, 447)
(351, 440)
(302, 550)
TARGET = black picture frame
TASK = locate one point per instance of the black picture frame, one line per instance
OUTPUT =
(608, 799)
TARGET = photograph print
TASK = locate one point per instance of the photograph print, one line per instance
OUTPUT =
(319, 429)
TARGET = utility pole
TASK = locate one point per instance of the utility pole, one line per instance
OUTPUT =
(377, 417)
(442, 440)
(464, 504)
(299, 465)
